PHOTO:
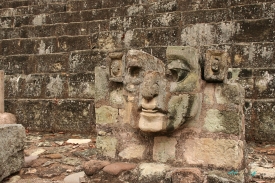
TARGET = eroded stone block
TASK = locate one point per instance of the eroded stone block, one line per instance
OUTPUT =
(55, 86)
(216, 65)
(133, 151)
(107, 145)
(222, 121)
(116, 98)
(82, 86)
(101, 84)
(263, 124)
(106, 114)
(12, 138)
(164, 149)
(73, 115)
(224, 153)
(152, 172)
(229, 93)
(186, 175)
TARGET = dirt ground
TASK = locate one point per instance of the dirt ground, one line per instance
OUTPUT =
(49, 158)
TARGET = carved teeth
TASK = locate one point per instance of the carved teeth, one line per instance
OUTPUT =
(149, 110)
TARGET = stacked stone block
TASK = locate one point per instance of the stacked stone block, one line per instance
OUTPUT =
(44, 40)
(56, 55)
(215, 138)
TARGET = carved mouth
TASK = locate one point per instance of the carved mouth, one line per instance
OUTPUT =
(155, 110)
(149, 110)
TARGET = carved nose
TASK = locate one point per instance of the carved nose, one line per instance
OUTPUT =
(150, 85)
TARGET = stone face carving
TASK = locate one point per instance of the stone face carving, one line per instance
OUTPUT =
(191, 122)
(216, 66)
(116, 66)
(161, 97)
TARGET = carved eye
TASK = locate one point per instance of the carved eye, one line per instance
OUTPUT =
(176, 74)
(134, 71)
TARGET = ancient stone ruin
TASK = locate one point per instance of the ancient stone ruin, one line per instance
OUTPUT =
(163, 115)
(163, 90)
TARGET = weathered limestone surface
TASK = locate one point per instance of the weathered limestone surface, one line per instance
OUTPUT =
(164, 149)
(107, 145)
(133, 151)
(152, 172)
(49, 49)
(220, 152)
(223, 121)
(12, 138)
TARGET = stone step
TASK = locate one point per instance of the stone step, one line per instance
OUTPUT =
(76, 61)
(50, 1)
(49, 8)
(34, 63)
(68, 111)
(41, 19)
(42, 85)
(16, 21)
(12, 138)
(59, 44)
(79, 5)
(50, 85)
(34, 9)
(103, 14)
(15, 4)
(47, 45)
(55, 13)
(8, 12)
(85, 15)
(60, 29)
(62, 17)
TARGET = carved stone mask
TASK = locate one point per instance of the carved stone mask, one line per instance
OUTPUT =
(162, 97)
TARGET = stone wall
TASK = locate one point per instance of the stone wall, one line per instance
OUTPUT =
(145, 115)
(50, 48)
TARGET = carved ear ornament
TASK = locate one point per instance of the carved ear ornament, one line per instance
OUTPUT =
(216, 65)
(116, 66)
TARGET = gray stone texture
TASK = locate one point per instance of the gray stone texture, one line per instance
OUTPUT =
(44, 39)
(12, 137)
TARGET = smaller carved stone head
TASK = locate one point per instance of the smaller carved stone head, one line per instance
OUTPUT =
(162, 97)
